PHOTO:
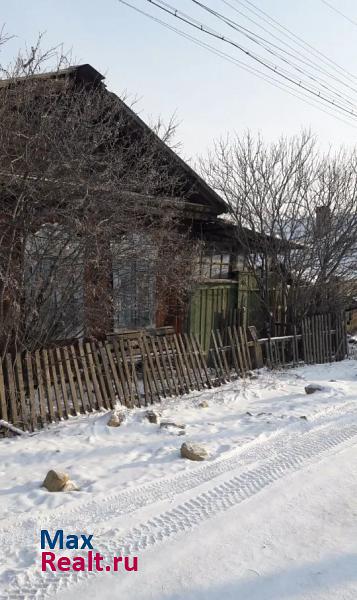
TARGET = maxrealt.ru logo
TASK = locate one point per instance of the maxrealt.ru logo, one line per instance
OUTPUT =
(87, 561)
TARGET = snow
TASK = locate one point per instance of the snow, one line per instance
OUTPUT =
(280, 545)
(271, 514)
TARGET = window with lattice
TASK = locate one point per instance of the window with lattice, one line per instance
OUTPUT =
(215, 266)
(134, 283)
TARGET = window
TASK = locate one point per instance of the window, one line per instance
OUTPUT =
(215, 266)
(53, 272)
(134, 283)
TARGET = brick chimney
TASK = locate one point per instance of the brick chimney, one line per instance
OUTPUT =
(323, 216)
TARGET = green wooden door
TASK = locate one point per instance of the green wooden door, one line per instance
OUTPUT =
(211, 307)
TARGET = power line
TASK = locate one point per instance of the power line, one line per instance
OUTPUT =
(257, 40)
(306, 59)
(347, 99)
(290, 34)
(291, 77)
(278, 71)
(339, 12)
(299, 94)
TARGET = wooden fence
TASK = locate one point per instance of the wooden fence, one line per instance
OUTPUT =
(234, 351)
(324, 338)
(231, 353)
(135, 369)
(139, 368)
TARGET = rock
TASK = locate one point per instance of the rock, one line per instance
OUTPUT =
(152, 416)
(313, 387)
(203, 404)
(304, 417)
(55, 481)
(193, 451)
(116, 419)
(70, 486)
(172, 424)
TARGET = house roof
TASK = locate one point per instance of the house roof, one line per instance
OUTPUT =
(226, 232)
(83, 72)
(200, 192)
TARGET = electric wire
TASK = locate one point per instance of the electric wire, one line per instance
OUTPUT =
(292, 91)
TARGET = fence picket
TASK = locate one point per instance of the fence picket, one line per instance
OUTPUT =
(158, 366)
(55, 383)
(31, 388)
(151, 370)
(223, 353)
(134, 377)
(322, 342)
(12, 390)
(114, 371)
(180, 381)
(304, 342)
(185, 356)
(239, 352)
(3, 404)
(21, 389)
(108, 379)
(52, 384)
(89, 387)
(201, 361)
(245, 341)
(234, 354)
(48, 383)
(127, 372)
(218, 356)
(181, 363)
(78, 378)
(149, 387)
(40, 387)
(243, 348)
(171, 366)
(164, 361)
(329, 337)
(72, 386)
(92, 369)
(122, 375)
(195, 371)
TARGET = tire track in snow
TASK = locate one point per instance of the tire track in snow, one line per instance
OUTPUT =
(129, 500)
(297, 451)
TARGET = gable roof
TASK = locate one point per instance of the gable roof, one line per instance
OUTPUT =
(84, 73)
(200, 191)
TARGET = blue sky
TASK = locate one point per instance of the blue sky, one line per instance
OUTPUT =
(210, 96)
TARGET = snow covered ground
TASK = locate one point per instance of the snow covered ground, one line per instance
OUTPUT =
(271, 515)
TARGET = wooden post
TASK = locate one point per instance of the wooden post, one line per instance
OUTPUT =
(40, 386)
(21, 389)
(72, 386)
(234, 353)
(257, 348)
(33, 415)
(55, 384)
(51, 411)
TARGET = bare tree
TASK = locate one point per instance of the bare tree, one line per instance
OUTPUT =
(295, 216)
(84, 188)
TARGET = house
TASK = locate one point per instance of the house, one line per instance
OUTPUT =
(224, 287)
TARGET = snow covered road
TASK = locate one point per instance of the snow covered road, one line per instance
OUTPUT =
(296, 539)
(165, 516)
